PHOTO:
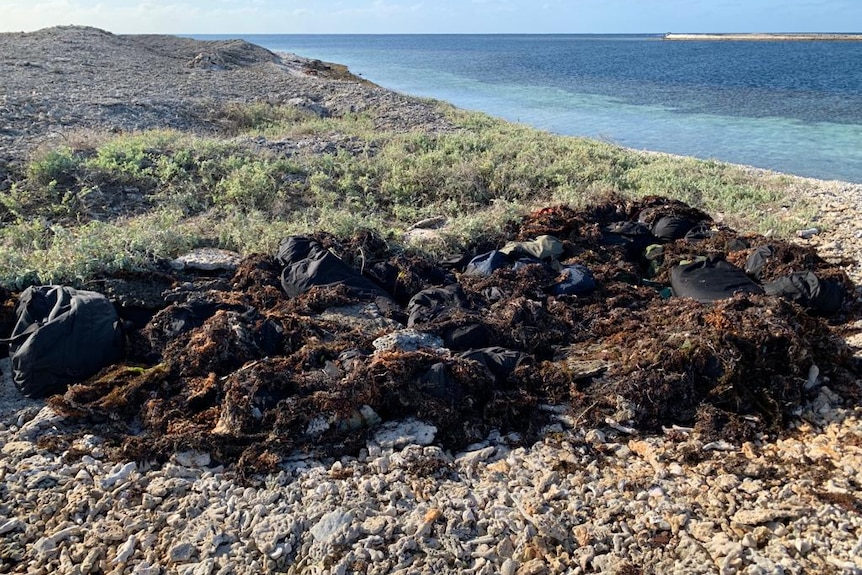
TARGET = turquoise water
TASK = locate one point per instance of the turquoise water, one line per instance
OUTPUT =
(794, 107)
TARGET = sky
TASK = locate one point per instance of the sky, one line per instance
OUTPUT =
(434, 16)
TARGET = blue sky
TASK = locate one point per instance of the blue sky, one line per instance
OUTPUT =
(435, 16)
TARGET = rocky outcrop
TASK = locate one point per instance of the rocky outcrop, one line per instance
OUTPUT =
(62, 80)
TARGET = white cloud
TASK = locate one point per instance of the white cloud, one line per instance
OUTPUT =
(222, 16)
(498, 4)
(381, 8)
(187, 16)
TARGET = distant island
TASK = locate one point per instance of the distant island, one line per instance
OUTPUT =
(763, 37)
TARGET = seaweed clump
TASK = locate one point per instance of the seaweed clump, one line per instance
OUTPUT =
(233, 366)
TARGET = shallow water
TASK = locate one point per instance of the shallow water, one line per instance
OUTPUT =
(794, 107)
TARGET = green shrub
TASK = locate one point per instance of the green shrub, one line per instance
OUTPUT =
(58, 166)
(123, 160)
(31, 253)
(235, 118)
(254, 185)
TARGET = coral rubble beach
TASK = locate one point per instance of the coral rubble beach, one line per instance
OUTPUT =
(761, 37)
(583, 499)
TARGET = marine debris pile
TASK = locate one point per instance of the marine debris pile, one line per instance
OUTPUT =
(311, 348)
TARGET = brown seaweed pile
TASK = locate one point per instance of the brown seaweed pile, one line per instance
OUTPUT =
(234, 367)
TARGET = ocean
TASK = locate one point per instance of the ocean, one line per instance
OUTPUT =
(794, 107)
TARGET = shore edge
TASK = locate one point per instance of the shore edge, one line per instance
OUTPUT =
(764, 37)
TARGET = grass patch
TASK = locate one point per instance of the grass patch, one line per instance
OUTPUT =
(112, 202)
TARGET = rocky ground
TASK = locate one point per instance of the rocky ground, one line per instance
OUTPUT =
(600, 501)
(61, 82)
(609, 500)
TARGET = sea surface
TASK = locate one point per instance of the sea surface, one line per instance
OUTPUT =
(789, 106)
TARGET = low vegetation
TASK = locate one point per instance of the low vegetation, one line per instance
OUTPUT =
(106, 202)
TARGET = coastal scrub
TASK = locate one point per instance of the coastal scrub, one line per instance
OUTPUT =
(104, 202)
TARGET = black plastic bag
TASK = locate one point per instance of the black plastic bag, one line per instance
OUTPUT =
(806, 289)
(432, 303)
(307, 264)
(62, 336)
(486, 264)
(711, 280)
(757, 261)
(575, 280)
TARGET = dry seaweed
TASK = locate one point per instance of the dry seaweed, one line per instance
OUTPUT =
(234, 367)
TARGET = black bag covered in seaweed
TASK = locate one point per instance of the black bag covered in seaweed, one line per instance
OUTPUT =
(710, 280)
(806, 289)
(307, 264)
(61, 336)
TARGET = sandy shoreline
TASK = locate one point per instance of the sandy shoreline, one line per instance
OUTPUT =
(759, 37)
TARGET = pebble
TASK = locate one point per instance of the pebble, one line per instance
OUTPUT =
(402, 433)
(126, 550)
(509, 567)
(118, 474)
(18, 449)
(208, 259)
(328, 528)
(192, 459)
(182, 553)
(11, 525)
(406, 340)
